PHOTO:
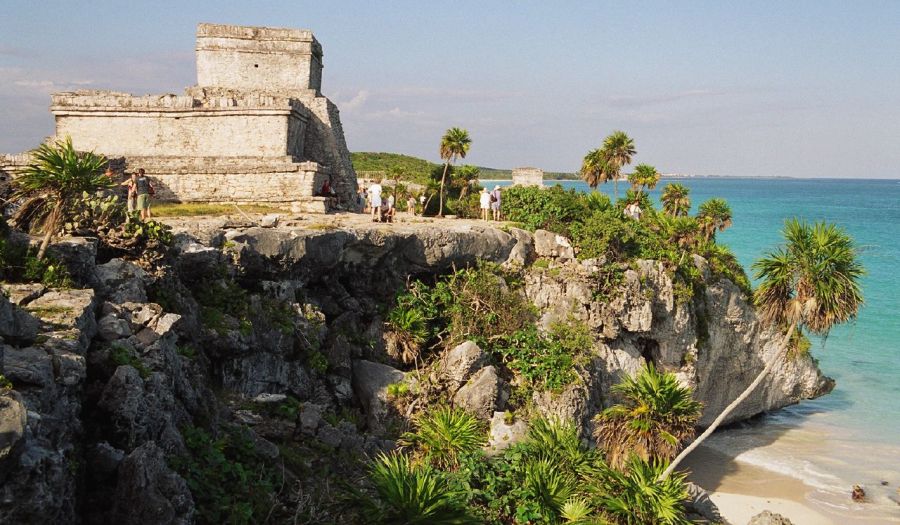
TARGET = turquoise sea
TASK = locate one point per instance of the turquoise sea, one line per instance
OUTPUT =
(851, 436)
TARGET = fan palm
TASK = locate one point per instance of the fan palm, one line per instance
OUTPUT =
(675, 199)
(411, 494)
(444, 435)
(811, 282)
(644, 176)
(655, 418)
(714, 214)
(466, 175)
(594, 168)
(618, 148)
(638, 495)
(56, 177)
(454, 144)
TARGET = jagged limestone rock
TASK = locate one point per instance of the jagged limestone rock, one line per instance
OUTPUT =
(122, 281)
(768, 517)
(13, 421)
(483, 394)
(16, 324)
(504, 433)
(459, 363)
(552, 245)
(370, 382)
(149, 492)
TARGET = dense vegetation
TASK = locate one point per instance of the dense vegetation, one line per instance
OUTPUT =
(420, 171)
(599, 229)
(549, 478)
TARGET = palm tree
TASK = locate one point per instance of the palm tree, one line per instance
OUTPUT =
(618, 148)
(454, 144)
(656, 417)
(638, 494)
(466, 175)
(714, 214)
(675, 199)
(56, 177)
(594, 168)
(812, 282)
(644, 176)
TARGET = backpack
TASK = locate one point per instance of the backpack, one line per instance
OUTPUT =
(150, 189)
(493, 198)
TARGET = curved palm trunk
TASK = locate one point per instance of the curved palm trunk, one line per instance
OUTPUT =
(734, 404)
(443, 178)
(51, 225)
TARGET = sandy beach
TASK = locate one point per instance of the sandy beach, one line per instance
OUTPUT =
(742, 491)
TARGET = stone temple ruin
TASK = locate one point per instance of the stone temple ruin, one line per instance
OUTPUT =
(255, 129)
(528, 177)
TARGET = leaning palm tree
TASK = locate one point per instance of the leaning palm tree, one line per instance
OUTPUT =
(644, 176)
(51, 183)
(657, 415)
(714, 214)
(812, 282)
(594, 168)
(675, 199)
(618, 148)
(454, 144)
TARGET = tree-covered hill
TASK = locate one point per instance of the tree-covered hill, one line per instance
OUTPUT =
(405, 167)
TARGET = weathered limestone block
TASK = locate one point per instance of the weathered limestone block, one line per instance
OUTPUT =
(149, 492)
(370, 382)
(459, 363)
(483, 394)
(504, 434)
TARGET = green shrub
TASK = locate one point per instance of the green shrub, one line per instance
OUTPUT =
(5, 384)
(553, 208)
(229, 479)
(547, 360)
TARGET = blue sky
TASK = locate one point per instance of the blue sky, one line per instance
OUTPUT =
(731, 88)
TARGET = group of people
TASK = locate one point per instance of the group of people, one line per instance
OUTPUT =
(490, 203)
(140, 189)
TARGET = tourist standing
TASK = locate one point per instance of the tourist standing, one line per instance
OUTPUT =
(143, 188)
(633, 211)
(485, 201)
(129, 182)
(495, 202)
(375, 199)
(422, 203)
(411, 205)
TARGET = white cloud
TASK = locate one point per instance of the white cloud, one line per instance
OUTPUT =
(356, 102)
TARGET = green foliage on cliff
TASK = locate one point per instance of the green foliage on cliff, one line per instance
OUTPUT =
(19, 263)
(600, 229)
(229, 479)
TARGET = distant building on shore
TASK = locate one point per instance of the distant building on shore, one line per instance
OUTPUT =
(255, 129)
(527, 177)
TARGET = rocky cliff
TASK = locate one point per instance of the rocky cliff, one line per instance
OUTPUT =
(107, 381)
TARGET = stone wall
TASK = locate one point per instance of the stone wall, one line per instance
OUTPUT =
(528, 177)
(243, 180)
(258, 58)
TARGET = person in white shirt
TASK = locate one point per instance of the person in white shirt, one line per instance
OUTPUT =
(485, 200)
(375, 199)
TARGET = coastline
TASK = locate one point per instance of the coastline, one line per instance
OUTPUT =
(742, 490)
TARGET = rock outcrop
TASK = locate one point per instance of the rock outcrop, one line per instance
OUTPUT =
(248, 322)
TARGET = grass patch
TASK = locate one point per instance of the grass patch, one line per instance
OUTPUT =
(121, 356)
(195, 209)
